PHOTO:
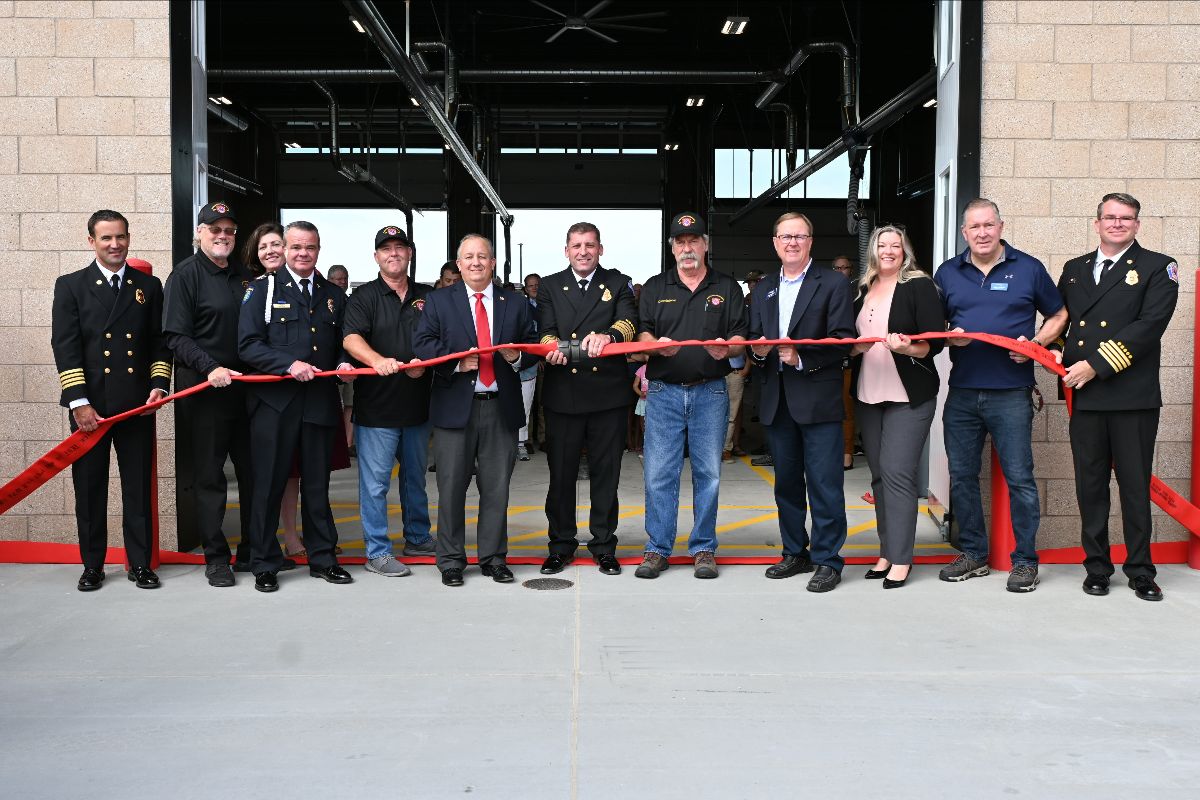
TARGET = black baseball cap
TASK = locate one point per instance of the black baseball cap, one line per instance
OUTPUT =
(391, 232)
(210, 213)
(687, 223)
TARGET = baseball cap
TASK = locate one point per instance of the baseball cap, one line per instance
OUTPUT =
(210, 213)
(686, 223)
(391, 232)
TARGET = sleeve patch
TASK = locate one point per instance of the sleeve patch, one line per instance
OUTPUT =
(249, 291)
(1173, 271)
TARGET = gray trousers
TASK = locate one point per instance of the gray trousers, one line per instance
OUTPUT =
(486, 442)
(893, 436)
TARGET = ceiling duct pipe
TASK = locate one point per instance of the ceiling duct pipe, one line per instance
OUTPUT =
(855, 136)
(369, 17)
(353, 172)
(630, 76)
(228, 116)
(789, 131)
(837, 48)
(230, 180)
(476, 129)
(451, 72)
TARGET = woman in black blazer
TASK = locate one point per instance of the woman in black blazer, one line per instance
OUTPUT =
(896, 390)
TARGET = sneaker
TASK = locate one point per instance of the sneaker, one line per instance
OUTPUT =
(652, 565)
(388, 566)
(727, 456)
(706, 564)
(522, 453)
(963, 568)
(219, 574)
(425, 548)
(1023, 578)
(763, 461)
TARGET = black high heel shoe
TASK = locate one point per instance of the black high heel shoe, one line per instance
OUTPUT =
(891, 583)
(876, 574)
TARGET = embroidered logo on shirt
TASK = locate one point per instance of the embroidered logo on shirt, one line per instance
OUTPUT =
(714, 300)
(418, 304)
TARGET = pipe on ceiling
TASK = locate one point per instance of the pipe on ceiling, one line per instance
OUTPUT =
(635, 76)
(450, 93)
(789, 131)
(231, 180)
(801, 55)
(377, 28)
(228, 116)
(855, 136)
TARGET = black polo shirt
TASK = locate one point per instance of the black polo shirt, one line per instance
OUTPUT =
(716, 310)
(376, 313)
(201, 306)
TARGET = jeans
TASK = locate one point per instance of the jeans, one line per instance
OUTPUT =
(1007, 414)
(378, 450)
(673, 412)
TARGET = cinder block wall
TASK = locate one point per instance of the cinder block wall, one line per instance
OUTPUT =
(1080, 99)
(84, 124)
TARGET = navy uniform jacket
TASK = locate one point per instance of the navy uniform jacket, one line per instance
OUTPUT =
(563, 312)
(109, 349)
(448, 326)
(1117, 326)
(296, 332)
(824, 309)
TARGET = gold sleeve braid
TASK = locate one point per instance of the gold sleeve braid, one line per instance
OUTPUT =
(70, 378)
(1116, 354)
(548, 339)
(625, 328)
(160, 369)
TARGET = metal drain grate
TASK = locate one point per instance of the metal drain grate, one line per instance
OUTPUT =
(548, 584)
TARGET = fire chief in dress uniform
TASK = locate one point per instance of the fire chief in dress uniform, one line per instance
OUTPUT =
(291, 324)
(586, 401)
(1120, 299)
(111, 357)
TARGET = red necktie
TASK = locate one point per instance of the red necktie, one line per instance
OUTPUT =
(487, 370)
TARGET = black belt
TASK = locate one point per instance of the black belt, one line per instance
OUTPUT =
(486, 395)
(689, 384)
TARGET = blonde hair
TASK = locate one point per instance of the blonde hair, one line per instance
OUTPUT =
(908, 270)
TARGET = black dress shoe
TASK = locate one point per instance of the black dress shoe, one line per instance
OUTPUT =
(554, 564)
(892, 583)
(825, 579)
(241, 566)
(91, 580)
(266, 582)
(144, 577)
(219, 574)
(452, 577)
(500, 573)
(334, 574)
(1145, 588)
(286, 564)
(789, 566)
(876, 574)
(1096, 585)
(608, 564)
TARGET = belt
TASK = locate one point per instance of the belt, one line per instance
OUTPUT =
(486, 395)
(689, 384)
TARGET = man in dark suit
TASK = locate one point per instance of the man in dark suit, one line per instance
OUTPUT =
(1120, 299)
(801, 401)
(111, 356)
(587, 401)
(291, 324)
(476, 406)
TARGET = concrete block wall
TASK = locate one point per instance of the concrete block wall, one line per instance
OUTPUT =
(84, 124)
(1080, 99)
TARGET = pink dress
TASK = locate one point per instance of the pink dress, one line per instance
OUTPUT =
(878, 380)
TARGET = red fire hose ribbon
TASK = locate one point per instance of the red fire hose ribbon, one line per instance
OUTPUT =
(78, 443)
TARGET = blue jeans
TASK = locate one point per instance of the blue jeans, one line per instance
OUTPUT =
(1007, 414)
(378, 450)
(673, 412)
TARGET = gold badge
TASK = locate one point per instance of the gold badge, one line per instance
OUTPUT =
(1131, 277)
(140, 296)
(607, 296)
(329, 304)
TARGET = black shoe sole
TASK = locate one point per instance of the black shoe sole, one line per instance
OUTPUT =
(220, 584)
(546, 571)
(1153, 598)
(89, 588)
(266, 589)
(778, 576)
(1096, 591)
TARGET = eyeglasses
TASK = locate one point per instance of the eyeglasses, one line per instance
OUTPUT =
(217, 230)
(798, 238)
(1109, 219)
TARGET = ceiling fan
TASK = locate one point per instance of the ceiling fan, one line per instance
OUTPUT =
(588, 21)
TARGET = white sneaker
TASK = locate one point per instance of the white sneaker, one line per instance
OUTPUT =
(522, 452)
(388, 566)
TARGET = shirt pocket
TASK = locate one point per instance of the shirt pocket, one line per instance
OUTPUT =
(284, 326)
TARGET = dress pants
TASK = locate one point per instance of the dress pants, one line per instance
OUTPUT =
(133, 439)
(219, 427)
(485, 442)
(275, 438)
(1102, 441)
(894, 437)
(603, 434)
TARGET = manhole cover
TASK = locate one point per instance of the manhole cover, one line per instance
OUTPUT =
(548, 584)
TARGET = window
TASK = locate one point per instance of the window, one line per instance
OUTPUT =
(743, 173)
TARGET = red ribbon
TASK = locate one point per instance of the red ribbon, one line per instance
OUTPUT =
(78, 443)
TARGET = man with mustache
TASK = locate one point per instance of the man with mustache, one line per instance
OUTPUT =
(687, 397)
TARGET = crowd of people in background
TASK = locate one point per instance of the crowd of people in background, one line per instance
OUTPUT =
(119, 336)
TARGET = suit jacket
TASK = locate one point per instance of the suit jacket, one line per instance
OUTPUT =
(1117, 326)
(109, 349)
(298, 331)
(824, 308)
(448, 326)
(916, 308)
(563, 312)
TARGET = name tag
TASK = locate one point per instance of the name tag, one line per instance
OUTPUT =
(999, 287)
(281, 305)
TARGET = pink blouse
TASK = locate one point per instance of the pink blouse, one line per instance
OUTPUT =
(878, 380)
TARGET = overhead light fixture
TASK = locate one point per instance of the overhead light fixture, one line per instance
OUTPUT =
(930, 103)
(414, 102)
(292, 145)
(695, 101)
(225, 100)
(734, 25)
(357, 26)
(670, 146)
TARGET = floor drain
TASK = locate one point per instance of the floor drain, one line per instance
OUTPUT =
(548, 584)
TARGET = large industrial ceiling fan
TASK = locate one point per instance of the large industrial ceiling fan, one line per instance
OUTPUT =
(587, 21)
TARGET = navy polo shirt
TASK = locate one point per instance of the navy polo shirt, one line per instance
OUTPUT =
(1005, 302)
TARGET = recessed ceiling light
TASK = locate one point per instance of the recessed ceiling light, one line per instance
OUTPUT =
(695, 101)
(357, 25)
(930, 103)
(414, 102)
(225, 100)
(669, 146)
(734, 26)
(292, 145)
